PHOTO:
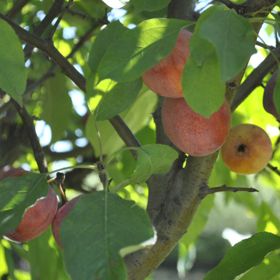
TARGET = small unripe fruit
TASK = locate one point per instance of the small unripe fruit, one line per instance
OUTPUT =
(247, 149)
(60, 216)
(165, 77)
(268, 102)
(192, 133)
(36, 218)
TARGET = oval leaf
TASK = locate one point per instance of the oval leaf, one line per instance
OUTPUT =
(244, 255)
(268, 269)
(13, 76)
(232, 36)
(55, 96)
(139, 49)
(203, 87)
(94, 232)
(153, 159)
(118, 97)
(16, 194)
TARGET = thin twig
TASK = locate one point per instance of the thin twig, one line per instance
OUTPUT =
(54, 11)
(205, 190)
(35, 144)
(273, 168)
(16, 8)
(125, 133)
(50, 72)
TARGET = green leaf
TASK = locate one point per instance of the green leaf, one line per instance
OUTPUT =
(147, 5)
(199, 221)
(95, 231)
(42, 250)
(16, 194)
(244, 255)
(3, 267)
(268, 269)
(95, 8)
(232, 36)
(13, 74)
(118, 97)
(153, 159)
(204, 97)
(103, 40)
(139, 49)
(136, 117)
(55, 98)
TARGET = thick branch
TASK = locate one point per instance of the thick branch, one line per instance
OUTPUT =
(255, 78)
(176, 213)
(177, 201)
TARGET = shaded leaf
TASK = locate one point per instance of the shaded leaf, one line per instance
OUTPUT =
(57, 106)
(94, 232)
(42, 250)
(244, 255)
(16, 194)
(232, 36)
(139, 49)
(103, 40)
(13, 75)
(153, 159)
(136, 117)
(203, 87)
(268, 269)
(118, 97)
(147, 5)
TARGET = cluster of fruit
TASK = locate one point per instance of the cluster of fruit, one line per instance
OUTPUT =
(245, 148)
(38, 217)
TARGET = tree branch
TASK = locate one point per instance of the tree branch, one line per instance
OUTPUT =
(50, 72)
(70, 71)
(16, 8)
(205, 190)
(54, 11)
(176, 200)
(35, 144)
(274, 169)
(255, 78)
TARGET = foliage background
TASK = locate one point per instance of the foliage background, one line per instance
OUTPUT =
(65, 123)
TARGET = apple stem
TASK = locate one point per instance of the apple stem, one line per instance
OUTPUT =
(205, 190)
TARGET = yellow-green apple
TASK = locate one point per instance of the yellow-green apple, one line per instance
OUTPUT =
(192, 133)
(165, 77)
(247, 149)
(36, 218)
